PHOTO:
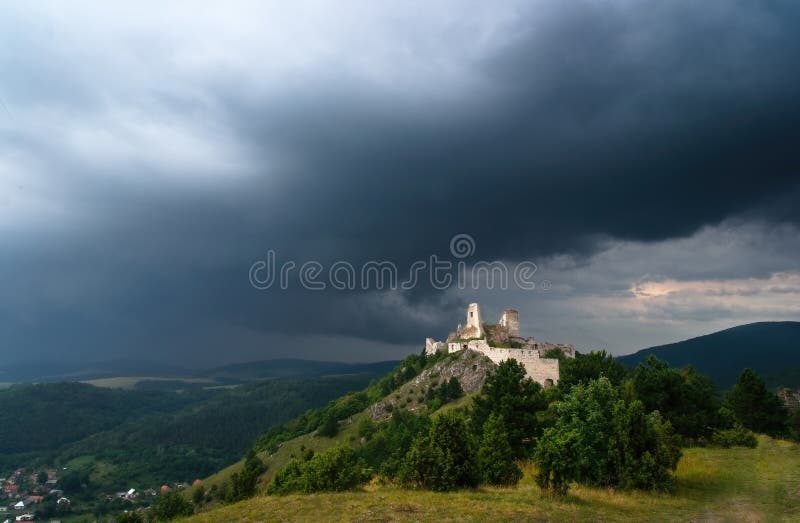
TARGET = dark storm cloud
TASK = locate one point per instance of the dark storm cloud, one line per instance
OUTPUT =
(575, 125)
(593, 121)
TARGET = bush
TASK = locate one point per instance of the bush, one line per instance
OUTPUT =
(495, 456)
(243, 483)
(518, 399)
(555, 455)
(755, 407)
(335, 469)
(366, 428)
(392, 440)
(738, 436)
(586, 367)
(199, 495)
(288, 479)
(444, 459)
(643, 447)
(602, 440)
(170, 506)
(329, 427)
(129, 517)
(439, 395)
(684, 397)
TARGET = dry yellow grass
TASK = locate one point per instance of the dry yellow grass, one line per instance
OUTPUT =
(761, 484)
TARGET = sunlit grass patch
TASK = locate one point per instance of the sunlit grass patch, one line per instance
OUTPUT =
(736, 484)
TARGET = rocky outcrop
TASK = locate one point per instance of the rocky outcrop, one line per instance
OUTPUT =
(470, 367)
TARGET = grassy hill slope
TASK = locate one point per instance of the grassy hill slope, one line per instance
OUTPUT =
(761, 484)
(469, 367)
(770, 348)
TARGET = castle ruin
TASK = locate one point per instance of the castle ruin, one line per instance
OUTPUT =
(502, 341)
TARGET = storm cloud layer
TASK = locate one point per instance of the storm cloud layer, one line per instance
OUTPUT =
(149, 155)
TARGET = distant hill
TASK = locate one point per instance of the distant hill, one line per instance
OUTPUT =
(145, 438)
(290, 367)
(45, 416)
(770, 348)
(44, 372)
(206, 436)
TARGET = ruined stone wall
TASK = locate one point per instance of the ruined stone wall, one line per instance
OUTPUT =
(432, 346)
(496, 334)
(543, 370)
(510, 320)
(568, 350)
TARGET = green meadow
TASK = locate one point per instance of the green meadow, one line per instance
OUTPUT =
(711, 484)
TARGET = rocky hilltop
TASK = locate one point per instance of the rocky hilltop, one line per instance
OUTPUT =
(470, 368)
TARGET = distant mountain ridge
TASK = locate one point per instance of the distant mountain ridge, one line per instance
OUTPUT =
(770, 348)
(44, 372)
(290, 367)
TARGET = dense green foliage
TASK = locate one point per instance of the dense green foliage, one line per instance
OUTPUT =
(509, 394)
(586, 367)
(386, 445)
(129, 517)
(447, 391)
(325, 420)
(495, 455)
(330, 424)
(388, 442)
(684, 397)
(243, 483)
(336, 469)
(169, 506)
(737, 436)
(147, 438)
(603, 425)
(201, 439)
(54, 414)
(755, 407)
(600, 439)
(445, 458)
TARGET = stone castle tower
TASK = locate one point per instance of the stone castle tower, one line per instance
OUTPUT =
(510, 320)
(474, 326)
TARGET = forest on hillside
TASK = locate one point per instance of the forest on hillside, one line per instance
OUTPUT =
(603, 425)
(112, 439)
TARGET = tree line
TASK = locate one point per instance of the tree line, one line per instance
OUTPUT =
(602, 425)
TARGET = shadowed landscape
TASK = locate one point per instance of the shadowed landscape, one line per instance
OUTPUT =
(399, 261)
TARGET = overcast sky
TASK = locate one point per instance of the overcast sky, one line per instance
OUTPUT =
(644, 155)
